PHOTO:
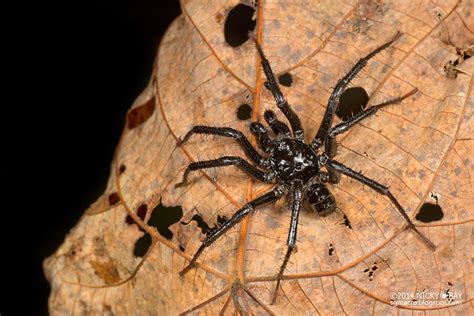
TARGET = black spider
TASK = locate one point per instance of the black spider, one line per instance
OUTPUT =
(291, 163)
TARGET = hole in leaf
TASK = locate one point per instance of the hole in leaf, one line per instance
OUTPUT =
(347, 222)
(140, 114)
(142, 245)
(244, 112)
(286, 79)
(429, 213)
(129, 220)
(331, 250)
(182, 248)
(200, 222)
(238, 23)
(434, 196)
(352, 102)
(205, 228)
(370, 271)
(162, 217)
(113, 198)
(141, 213)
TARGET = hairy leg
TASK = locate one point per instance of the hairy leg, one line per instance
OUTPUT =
(269, 197)
(331, 145)
(279, 98)
(341, 85)
(345, 126)
(382, 190)
(226, 132)
(278, 127)
(297, 197)
(227, 161)
(332, 176)
(263, 141)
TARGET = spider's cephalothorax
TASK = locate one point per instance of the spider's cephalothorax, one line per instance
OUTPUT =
(293, 160)
(299, 170)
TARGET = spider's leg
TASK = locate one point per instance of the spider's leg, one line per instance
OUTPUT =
(279, 98)
(297, 197)
(263, 141)
(332, 176)
(331, 146)
(276, 125)
(269, 197)
(345, 126)
(227, 161)
(341, 85)
(227, 132)
(382, 190)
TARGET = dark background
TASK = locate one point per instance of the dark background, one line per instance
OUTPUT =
(95, 58)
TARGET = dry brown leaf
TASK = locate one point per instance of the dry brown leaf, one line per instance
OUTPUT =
(420, 147)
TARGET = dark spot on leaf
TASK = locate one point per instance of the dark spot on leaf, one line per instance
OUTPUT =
(244, 112)
(114, 198)
(450, 284)
(142, 245)
(162, 217)
(370, 271)
(129, 220)
(347, 222)
(141, 211)
(429, 213)
(140, 114)
(352, 101)
(122, 169)
(286, 79)
(205, 228)
(237, 25)
(331, 250)
(219, 17)
(182, 248)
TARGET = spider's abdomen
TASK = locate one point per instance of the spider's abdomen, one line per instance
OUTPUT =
(292, 160)
(321, 199)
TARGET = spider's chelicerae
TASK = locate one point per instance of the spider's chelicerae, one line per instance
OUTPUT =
(295, 167)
